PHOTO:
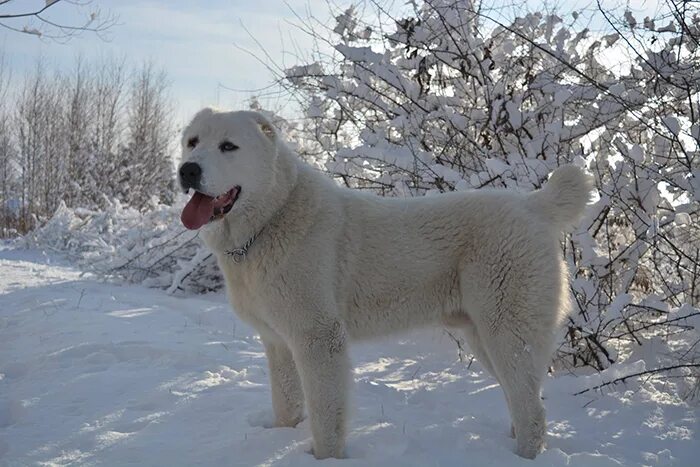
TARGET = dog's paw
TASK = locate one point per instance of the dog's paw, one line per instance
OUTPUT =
(262, 418)
(326, 454)
(530, 450)
(266, 419)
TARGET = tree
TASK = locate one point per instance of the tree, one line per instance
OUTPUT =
(8, 205)
(37, 123)
(79, 113)
(18, 17)
(145, 167)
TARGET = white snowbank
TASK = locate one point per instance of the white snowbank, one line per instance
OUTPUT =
(101, 374)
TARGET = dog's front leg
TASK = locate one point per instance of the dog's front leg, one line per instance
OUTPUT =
(287, 395)
(324, 367)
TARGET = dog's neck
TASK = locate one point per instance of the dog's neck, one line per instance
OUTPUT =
(236, 229)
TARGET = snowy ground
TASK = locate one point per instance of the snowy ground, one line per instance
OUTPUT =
(101, 374)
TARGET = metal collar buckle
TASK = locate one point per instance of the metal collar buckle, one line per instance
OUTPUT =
(240, 254)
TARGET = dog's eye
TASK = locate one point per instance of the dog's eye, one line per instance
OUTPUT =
(192, 142)
(227, 146)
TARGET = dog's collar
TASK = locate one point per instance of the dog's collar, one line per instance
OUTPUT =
(239, 254)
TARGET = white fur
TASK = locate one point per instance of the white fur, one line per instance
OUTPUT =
(331, 265)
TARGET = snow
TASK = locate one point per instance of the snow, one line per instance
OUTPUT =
(94, 373)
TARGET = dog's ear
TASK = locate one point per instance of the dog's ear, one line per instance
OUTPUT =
(205, 112)
(265, 126)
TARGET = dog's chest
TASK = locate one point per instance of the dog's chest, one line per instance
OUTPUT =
(241, 287)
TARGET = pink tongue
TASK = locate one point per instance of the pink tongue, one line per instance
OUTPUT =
(198, 211)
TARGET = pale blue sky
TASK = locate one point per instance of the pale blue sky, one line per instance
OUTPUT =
(199, 44)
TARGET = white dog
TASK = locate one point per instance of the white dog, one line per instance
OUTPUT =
(312, 266)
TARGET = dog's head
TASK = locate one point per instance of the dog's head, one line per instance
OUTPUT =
(227, 159)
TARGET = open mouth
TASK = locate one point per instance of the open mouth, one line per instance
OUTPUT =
(202, 208)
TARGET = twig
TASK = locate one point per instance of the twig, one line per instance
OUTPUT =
(622, 379)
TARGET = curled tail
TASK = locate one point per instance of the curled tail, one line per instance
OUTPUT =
(563, 199)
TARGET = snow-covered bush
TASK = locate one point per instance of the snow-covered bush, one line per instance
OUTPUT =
(80, 136)
(451, 96)
(151, 248)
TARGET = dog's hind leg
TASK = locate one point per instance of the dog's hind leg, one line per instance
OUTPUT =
(474, 343)
(516, 360)
(287, 394)
(465, 324)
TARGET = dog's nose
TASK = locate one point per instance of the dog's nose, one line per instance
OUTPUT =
(190, 175)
